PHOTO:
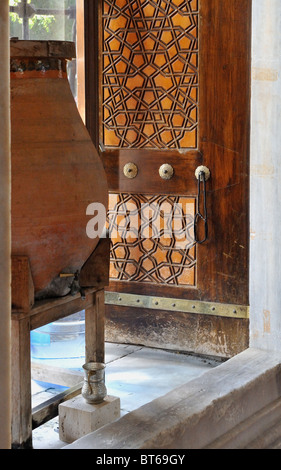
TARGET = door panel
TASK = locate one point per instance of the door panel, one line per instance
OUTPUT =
(149, 74)
(144, 254)
(168, 83)
(148, 164)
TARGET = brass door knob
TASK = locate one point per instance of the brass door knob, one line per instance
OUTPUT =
(166, 171)
(130, 170)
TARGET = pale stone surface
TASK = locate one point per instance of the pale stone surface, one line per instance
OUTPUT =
(136, 375)
(196, 414)
(260, 431)
(78, 418)
(265, 208)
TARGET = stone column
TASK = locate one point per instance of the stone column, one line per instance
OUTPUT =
(265, 210)
(5, 300)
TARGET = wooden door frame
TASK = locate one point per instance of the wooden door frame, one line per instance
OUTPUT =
(91, 32)
(224, 71)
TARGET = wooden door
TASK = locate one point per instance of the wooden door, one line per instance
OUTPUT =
(167, 83)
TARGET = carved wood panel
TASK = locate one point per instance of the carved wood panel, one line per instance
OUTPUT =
(152, 239)
(150, 74)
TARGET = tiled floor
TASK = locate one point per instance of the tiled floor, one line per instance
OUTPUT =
(135, 374)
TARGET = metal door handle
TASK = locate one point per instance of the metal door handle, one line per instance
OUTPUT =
(202, 174)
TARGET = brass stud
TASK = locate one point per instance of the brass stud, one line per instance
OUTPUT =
(130, 170)
(166, 171)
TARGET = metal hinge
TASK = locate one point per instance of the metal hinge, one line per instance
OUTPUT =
(177, 305)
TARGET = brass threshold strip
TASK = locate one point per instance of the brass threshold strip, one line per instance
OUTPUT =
(177, 305)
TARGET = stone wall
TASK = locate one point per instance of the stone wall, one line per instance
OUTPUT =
(265, 189)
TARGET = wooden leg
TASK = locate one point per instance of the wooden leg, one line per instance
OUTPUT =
(94, 326)
(21, 385)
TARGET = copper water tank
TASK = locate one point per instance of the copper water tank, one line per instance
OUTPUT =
(56, 170)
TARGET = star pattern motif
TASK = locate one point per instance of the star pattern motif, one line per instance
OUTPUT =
(152, 239)
(150, 74)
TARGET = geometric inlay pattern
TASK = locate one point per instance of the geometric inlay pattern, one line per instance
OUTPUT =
(150, 74)
(152, 239)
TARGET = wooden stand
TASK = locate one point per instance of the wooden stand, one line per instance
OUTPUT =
(28, 315)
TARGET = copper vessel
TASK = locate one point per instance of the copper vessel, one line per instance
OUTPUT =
(56, 170)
